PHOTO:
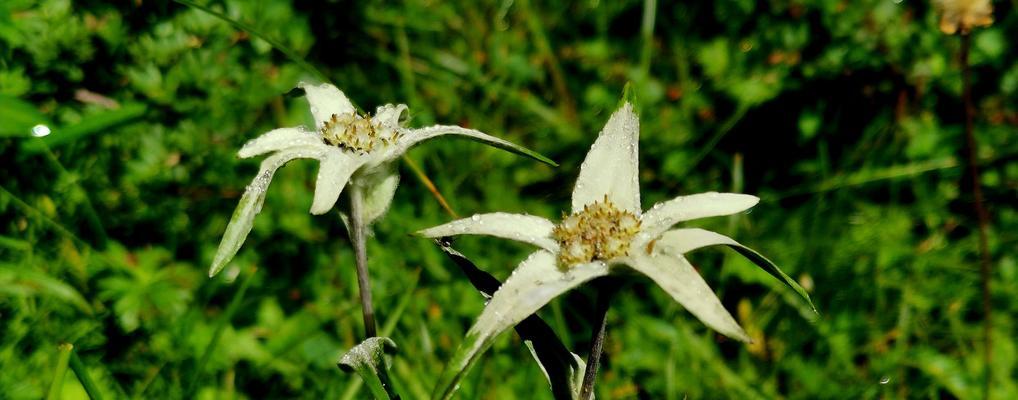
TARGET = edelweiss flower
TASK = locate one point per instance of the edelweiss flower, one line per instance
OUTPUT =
(352, 149)
(963, 15)
(605, 233)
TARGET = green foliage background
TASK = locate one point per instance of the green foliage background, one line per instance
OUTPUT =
(843, 116)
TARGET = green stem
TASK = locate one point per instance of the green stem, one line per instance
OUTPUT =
(90, 214)
(83, 376)
(357, 228)
(218, 333)
(57, 386)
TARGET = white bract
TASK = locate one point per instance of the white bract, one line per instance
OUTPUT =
(352, 149)
(606, 232)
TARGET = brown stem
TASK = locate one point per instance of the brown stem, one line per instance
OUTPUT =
(981, 214)
(357, 229)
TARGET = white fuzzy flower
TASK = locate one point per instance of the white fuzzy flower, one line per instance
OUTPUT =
(607, 231)
(352, 149)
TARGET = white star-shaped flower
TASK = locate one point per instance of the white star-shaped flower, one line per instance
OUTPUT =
(606, 232)
(351, 148)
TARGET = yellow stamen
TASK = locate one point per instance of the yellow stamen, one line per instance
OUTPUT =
(599, 232)
(356, 133)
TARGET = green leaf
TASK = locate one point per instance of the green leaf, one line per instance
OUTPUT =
(17, 117)
(369, 360)
(23, 280)
(88, 126)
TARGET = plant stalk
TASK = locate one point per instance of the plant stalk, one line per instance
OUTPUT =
(63, 358)
(982, 215)
(597, 335)
(357, 231)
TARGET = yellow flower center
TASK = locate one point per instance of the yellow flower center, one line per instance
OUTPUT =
(357, 133)
(598, 232)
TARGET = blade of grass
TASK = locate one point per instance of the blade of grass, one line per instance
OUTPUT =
(419, 173)
(254, 32)
(28, 209)
(59, 370)
(90, 214)
(92, 124)
(231, 309)
(83, 376)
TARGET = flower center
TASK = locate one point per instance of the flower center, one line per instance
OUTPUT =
(598, 232)
(357, 133)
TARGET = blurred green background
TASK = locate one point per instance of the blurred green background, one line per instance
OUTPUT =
(845, 117)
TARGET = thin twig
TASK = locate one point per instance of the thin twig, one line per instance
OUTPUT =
(430, 186)
(599, 317)
(981, 214)
(360, 249)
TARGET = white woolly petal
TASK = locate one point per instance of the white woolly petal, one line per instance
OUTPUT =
(612, 165)
(664, 215)
(412, 137)
(333, 174)
(325, 100)
(677, 277)
(251, 204)
(523, 228)
(389, 115)
(533, 284)
(279, 139)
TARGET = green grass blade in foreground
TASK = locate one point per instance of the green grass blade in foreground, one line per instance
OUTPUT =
(560, 366)
(250, 29)
(89, 125)
(59, 370)
(83, 376)
(368, 359)
(17, 117)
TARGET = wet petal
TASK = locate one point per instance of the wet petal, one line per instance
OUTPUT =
(522, 228)
(681, 241)
(251, 204)
(612, 165)
(677, 277)
(663, 215)
(532, 285)
(325, 100)
(412, 137)
(335, 171)
(278, 139)
(389, 115)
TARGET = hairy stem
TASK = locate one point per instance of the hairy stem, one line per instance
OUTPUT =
(600, 317)
(357, 230)
(981, 214)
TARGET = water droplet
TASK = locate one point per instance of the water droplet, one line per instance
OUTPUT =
(475, 217)
(40, 130)
(885, 380)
